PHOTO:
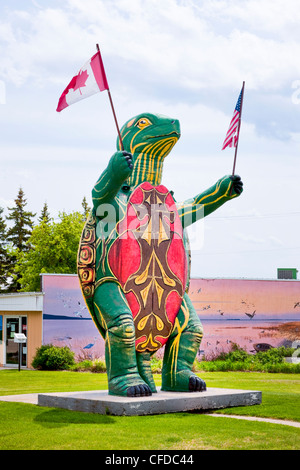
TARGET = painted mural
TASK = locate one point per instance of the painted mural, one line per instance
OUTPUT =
(250, 313)
(66, 319)
(242, 311)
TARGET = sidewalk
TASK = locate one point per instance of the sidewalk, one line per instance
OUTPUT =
(31, 398)
(295, 424)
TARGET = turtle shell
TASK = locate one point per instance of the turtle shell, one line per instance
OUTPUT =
(86, 267)
(149, 261)
(86, 258)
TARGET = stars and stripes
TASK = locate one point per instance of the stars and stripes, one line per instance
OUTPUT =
(232, 133)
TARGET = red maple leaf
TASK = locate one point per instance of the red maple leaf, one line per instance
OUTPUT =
(80, 80)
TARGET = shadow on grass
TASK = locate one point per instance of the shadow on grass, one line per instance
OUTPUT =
(59, 417)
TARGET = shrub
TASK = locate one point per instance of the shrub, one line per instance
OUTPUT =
(236, 353)
(98, 366)
(272, 356)
(156, 365)
(49, 357)
(239, 360)
(89, 365)
(84, 365)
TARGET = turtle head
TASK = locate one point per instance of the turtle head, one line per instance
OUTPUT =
(149, 138)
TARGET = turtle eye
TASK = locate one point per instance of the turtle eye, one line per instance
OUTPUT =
(143, 122)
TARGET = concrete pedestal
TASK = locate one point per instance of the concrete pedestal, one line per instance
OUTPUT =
(162, 402)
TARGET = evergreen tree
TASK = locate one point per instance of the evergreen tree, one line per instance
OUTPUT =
(22, 226)
(18, 234)
(45, 215)
(86, 208)
(4, 256)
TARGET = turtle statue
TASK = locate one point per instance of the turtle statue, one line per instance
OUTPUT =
(133, 261)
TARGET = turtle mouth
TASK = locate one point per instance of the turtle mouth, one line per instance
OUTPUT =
(173, 133)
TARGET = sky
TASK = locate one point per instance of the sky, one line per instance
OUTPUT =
(185, 59)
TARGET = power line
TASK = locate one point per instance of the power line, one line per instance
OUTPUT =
(282, 248)
(263, 216)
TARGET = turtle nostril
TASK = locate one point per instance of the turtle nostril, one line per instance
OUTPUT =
(172, 122)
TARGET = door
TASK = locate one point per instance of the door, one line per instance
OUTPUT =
(15, 325)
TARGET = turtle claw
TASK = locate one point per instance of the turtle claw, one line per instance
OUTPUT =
(139, 391)
(196, 384)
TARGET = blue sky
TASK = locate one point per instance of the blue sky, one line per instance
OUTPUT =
(185, 59)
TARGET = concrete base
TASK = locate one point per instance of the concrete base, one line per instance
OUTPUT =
(162, 402)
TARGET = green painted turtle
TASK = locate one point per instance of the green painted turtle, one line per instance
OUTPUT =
(133, 261)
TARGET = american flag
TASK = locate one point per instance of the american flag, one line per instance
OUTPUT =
(232, 133)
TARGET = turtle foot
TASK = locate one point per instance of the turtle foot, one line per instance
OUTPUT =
(131, 385)
(184, 381)
(196, 384)
(139, 391)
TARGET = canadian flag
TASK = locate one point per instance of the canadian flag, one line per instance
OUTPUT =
(90, 79)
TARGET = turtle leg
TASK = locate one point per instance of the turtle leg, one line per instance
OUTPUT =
(144, 367)
(115, 316)
(181, 350)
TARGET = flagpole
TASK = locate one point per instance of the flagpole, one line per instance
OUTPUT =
(238, 130)
(113, 110)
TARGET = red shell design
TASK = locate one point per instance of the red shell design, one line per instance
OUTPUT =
(148, 258)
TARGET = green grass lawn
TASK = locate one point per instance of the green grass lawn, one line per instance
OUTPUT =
(25, 426)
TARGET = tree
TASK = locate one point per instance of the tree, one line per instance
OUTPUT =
(22, 226)
(18, 235)
(45, 215)
(86, 208)
(4, 255)
(54, 250)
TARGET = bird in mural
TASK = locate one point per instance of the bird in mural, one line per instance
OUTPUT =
(77, 314)
(250, 315)
(247, 303)
(297, 304)
(66, 301)
(81, 308)
(62, 338)
(89, 346)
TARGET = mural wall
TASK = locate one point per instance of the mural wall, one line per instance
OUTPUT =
(66, 319)
(246, 312)
(242, 311)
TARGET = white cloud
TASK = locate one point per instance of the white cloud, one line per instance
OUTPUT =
(179, 41)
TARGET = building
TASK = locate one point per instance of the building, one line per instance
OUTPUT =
(243, 311)
(20, 313)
